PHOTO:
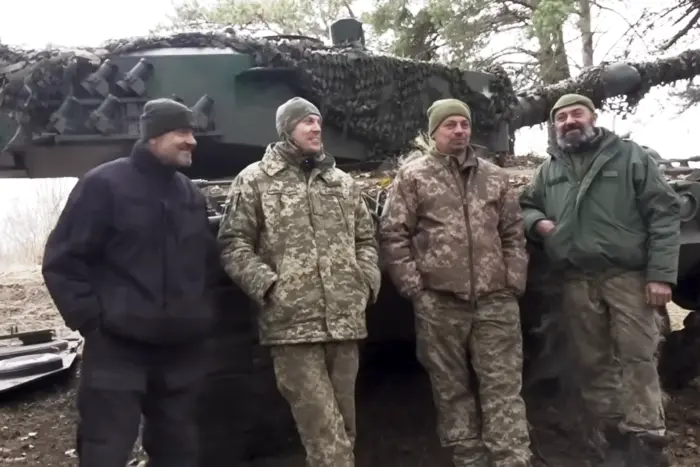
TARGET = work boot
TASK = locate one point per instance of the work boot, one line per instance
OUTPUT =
(647, 451)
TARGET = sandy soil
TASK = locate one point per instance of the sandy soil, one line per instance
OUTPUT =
(37, 425)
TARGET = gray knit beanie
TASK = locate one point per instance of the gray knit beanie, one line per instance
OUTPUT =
(292, 112)
(161, 116)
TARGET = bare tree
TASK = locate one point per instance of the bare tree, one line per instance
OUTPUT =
(31, 216)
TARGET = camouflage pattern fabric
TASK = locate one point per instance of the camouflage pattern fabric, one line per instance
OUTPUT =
(453, 240)
(615, 335)
(453, 228)
(318, 381)
(448, 334)
(304, 251)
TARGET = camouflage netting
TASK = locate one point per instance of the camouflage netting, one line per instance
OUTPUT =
(380, 99)
(375, 184)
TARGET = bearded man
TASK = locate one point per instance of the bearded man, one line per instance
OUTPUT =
(299, 240)
(609, 220)
(452, 239)
(131, 264)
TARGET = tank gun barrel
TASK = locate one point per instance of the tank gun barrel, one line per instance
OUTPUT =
(605, 81)
(597, 83)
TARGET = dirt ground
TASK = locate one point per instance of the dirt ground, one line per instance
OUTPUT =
(37, 425)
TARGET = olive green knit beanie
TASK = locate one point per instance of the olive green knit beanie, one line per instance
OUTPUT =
(570, 99)
(443, 108)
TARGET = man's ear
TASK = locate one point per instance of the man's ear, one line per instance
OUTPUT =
(595, 118)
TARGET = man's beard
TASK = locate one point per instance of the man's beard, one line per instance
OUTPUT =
(575, 136)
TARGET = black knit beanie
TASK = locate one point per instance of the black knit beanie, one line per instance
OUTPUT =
(161, 116)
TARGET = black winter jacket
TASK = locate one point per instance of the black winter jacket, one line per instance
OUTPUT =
(132, 254)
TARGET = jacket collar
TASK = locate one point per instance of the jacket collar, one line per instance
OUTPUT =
(274, 162)
(462, 163)
(146, 162)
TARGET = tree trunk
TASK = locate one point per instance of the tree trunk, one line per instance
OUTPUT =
(586, 30)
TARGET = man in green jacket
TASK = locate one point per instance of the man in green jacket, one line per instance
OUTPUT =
(611, 223)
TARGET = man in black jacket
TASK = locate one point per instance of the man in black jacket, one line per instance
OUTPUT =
(130, 265)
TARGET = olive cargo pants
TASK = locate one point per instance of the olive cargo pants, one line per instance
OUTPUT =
(486, 427)
(615, 334)
(318, 382)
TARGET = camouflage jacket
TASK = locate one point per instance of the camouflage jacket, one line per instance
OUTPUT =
(311, 243)
(453, 228)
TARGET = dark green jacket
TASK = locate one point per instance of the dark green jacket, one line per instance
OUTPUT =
(621, 214)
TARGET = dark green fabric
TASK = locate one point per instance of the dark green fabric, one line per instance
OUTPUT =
(621, 214)
(581, 162)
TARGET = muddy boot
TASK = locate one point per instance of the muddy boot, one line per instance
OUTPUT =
(648, 451)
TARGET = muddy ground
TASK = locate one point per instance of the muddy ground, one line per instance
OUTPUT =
(396, 419)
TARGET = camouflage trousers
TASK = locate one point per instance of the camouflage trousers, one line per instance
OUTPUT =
(615, 335)
(318, 382)
(481, 416)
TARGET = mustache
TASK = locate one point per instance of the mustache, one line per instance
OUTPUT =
(186, 147)
(572, 126)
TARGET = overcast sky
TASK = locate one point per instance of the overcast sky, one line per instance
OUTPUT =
(35, 23)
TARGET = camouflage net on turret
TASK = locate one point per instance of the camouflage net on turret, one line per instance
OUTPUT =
(378, 99)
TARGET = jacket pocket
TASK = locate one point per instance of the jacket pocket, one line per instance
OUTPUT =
(332, 204)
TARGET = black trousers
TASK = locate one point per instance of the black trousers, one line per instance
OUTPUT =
(121, 381)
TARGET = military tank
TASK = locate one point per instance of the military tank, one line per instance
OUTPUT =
(63, 112)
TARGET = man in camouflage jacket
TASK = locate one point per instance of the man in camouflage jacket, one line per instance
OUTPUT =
(452, 239)
(299, 240)
(610, 222)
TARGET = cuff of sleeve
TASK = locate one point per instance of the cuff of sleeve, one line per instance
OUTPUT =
(373, 280)
(659, 276)
(265, 282)
(90, 325)
(531, 220)
(410, 292)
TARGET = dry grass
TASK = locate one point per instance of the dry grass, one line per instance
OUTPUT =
(677, 315)
(25, 304)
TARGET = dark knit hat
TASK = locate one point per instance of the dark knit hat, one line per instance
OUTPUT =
(443, 108)
(571, 99)
(292, 112)
(161, 116)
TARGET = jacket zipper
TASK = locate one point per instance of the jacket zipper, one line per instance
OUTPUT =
(312, 219)
(164, 249)
(470, 237)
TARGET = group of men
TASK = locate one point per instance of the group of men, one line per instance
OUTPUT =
(132, 260)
